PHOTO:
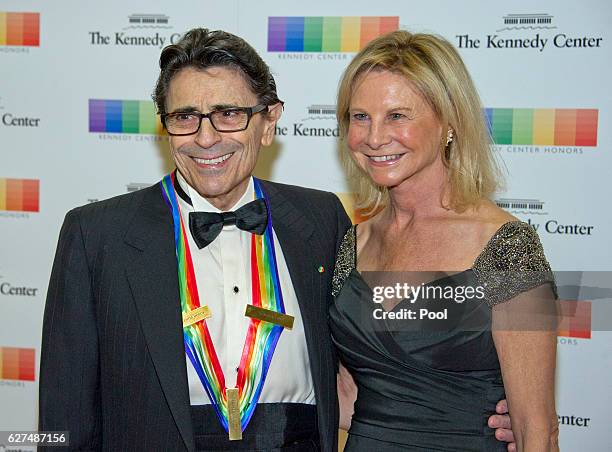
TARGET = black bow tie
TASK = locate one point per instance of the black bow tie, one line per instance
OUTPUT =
(206, 226)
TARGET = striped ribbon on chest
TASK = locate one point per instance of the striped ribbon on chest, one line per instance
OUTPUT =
(262, 336)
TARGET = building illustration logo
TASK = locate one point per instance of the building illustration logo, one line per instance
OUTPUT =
(522, 206)
(321, 111)
(527, 22)
(147, 21)
(135, 186)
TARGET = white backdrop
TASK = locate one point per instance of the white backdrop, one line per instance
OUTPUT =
(529, 63)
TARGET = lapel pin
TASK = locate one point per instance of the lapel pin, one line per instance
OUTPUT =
(321, 269)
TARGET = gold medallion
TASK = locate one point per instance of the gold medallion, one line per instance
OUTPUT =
(233, 414)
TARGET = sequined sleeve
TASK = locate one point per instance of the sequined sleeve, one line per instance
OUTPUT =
(512, 262)
(345, 260)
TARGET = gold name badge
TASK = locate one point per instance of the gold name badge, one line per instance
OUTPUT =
(233, 414)
(191, 317)
(265, 315)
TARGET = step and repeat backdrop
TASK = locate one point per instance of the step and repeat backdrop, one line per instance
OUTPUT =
(78, 125)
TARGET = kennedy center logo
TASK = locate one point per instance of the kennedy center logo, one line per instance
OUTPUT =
(19, 29)
(543, 126)
(123, 116)
(17, 363)
(326, 34)
(142, 30)
(532, 32)
(551, 130)
(19, 195)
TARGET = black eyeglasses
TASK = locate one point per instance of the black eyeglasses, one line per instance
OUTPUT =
(227, 120)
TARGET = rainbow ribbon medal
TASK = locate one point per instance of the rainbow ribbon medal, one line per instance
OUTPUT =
(262, 336)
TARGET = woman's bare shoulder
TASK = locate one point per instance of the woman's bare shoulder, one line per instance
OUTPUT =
(487, 218)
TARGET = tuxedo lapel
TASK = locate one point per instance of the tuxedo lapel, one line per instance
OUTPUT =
(296, 235)
(152, 275)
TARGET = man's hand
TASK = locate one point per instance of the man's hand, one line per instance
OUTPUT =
(501, 423)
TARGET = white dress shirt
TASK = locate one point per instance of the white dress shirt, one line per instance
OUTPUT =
(223, 276)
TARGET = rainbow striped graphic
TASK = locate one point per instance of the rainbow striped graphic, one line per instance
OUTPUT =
(326, 34)
(575, 319)
(124, 116)
(543, 126)
(19, 195)
(19, 29)
(17, 363)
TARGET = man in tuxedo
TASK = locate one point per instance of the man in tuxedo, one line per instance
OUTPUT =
(122, 367)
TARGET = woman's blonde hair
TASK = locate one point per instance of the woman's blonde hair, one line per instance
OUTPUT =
(436, 70)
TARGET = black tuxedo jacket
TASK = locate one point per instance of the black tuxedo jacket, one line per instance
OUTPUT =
(113, 369)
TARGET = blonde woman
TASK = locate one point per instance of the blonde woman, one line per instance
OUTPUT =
(419, 151)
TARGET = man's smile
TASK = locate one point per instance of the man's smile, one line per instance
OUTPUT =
(213, 161)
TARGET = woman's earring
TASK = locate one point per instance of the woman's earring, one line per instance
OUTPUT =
(449, 137)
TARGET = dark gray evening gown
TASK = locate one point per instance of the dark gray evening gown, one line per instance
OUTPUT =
(431, 385)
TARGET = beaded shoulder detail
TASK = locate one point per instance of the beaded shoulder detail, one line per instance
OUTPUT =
(345, 260)
(512, 262)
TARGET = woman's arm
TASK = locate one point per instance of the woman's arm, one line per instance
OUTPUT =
(524, 332)
(347, 393)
